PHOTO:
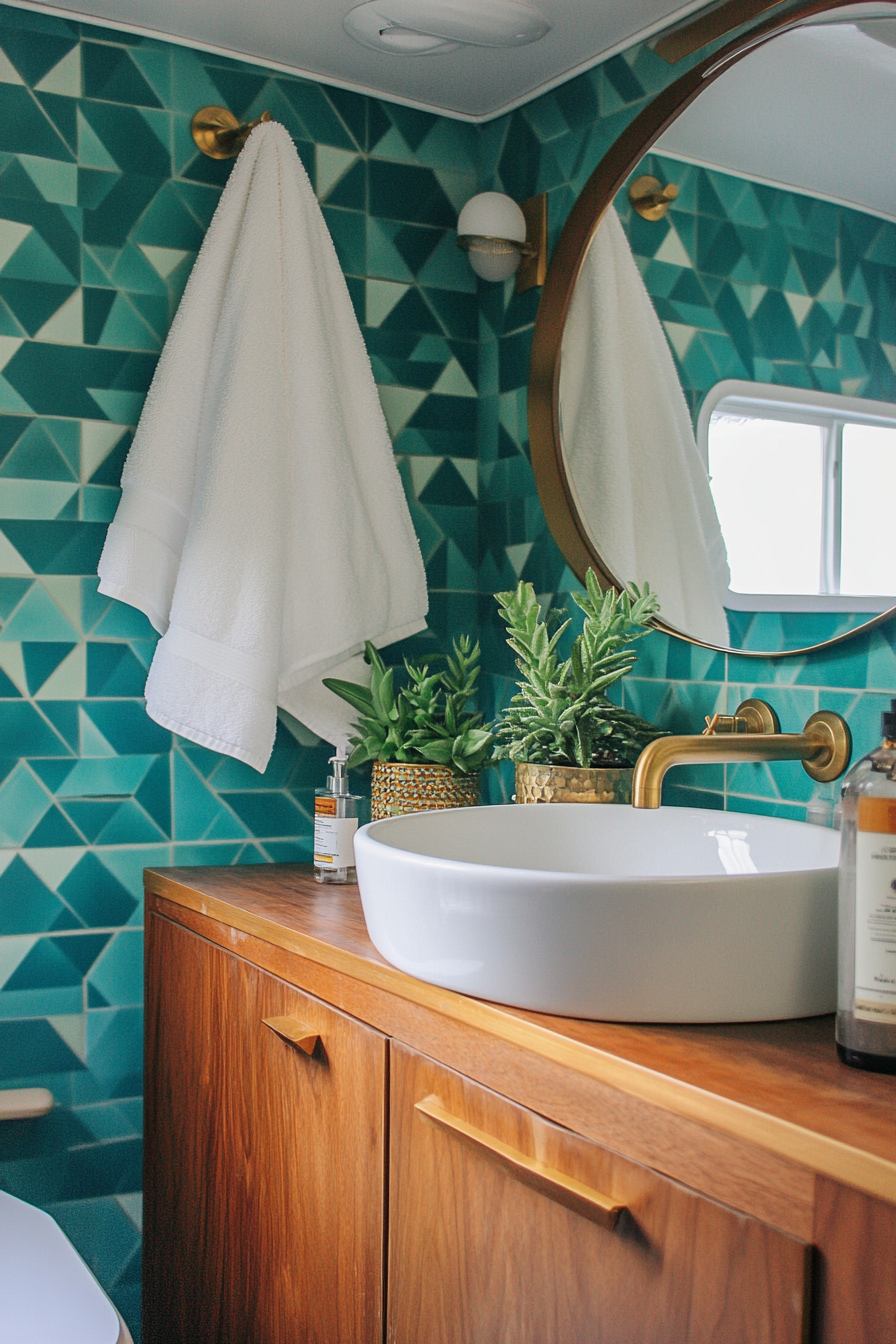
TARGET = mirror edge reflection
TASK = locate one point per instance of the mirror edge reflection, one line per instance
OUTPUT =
(596, 197)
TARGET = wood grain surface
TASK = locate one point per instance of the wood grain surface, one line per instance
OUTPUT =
(856, 1278)
(265, 1167)
(728, 1168)
(776, 1086)
(477, 1256)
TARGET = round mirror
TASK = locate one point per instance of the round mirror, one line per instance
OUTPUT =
(712, 401)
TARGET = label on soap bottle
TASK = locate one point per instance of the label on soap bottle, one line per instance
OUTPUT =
(876, 911)
(333, 836)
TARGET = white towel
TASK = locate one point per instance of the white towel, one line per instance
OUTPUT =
(262, 527)
(639, 484)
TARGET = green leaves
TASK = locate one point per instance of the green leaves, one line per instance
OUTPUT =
(426, 719)
(561, 714)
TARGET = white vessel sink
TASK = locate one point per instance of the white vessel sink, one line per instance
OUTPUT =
(671, 915)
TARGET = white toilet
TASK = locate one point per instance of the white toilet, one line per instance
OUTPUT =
(47, 1293)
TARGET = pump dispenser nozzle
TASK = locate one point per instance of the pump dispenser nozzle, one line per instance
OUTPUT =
(338, 782)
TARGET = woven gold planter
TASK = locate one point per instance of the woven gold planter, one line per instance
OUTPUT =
(399, 788)
(571, 784)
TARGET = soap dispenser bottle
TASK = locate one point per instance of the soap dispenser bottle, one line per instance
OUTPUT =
(335, 822)
(866, 1006)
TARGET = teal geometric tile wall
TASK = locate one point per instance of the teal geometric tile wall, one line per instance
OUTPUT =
(754, 282)
(103, 206)
(750, 282)
(104, 202)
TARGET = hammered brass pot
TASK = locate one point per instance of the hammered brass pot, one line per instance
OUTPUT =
(399, 787)
(572, 784)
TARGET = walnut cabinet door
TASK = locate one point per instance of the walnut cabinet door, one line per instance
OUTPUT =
(507, 1229)
(265, 1157)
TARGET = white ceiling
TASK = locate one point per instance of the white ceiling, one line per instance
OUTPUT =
(813, 109)
(307, 37)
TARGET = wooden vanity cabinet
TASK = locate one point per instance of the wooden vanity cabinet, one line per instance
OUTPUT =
(494, 1238)
(546, 1181)
(264, 1201)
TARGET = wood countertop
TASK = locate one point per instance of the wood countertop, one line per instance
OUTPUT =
(778, 1085)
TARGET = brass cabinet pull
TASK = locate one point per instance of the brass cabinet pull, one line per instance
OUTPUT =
(563, 1189)
(294, 1032)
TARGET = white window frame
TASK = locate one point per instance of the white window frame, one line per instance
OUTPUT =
(831, 411)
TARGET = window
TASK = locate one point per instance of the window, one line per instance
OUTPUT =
(802, 483)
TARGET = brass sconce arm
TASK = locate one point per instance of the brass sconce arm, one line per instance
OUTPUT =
(824, 746)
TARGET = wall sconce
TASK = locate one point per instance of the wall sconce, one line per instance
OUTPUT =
(503, 238)
(650, 198)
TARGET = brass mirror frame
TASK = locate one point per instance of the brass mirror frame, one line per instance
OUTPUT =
(569, 255)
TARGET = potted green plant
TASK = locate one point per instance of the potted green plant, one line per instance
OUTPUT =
(426, 742)
(569, 742)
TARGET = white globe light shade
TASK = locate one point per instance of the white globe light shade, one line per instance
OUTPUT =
(492, 266)
(491, 214)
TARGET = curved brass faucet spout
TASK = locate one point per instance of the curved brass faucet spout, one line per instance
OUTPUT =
(824, 746)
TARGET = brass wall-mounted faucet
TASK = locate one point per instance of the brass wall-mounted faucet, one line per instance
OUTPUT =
(752, 733)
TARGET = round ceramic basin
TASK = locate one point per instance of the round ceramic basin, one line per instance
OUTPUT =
(677, 914)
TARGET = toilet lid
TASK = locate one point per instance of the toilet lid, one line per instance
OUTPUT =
(47, 1293)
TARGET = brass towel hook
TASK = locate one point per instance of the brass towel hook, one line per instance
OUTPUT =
(650, 198)
(218, 133)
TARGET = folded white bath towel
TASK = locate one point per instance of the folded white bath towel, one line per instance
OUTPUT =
(262, 527)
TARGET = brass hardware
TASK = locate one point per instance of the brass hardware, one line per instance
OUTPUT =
(294, 1032)
(563, 1189)
(218, 133)
(534, 265)
(833, 734)
(650, 198)
(608, 178)
(824, 747)
(497, 247)
(758, 717)
(709, 26)
(753, 716)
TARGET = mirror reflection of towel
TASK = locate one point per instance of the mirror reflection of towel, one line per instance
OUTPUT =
(639, 483)
(263, 528)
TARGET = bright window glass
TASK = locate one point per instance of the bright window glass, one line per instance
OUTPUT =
(867, 541)
(767, 480)
(799, 479)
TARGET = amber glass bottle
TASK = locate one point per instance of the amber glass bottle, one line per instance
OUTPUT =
(866, 1005)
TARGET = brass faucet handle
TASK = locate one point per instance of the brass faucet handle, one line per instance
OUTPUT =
(724, 723)
(757, 717)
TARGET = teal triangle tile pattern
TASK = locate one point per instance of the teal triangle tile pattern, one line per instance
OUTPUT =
(104, 203)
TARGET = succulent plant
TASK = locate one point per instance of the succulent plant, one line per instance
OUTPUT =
(561, 714)
(427, 719)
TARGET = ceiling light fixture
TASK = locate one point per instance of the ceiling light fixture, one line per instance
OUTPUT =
(435, 27)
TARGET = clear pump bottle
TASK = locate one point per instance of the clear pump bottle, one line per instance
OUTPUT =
(336, 815)
(866, 1009)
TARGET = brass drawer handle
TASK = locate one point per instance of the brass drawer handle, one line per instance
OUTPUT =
(563, 1189)
(294, 1032)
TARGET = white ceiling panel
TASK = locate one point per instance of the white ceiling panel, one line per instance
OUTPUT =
(307, 37)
